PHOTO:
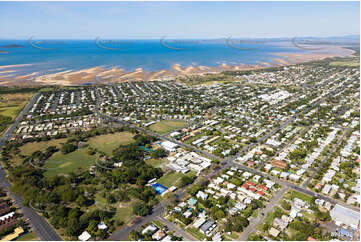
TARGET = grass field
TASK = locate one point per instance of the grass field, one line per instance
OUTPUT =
(59, 163)
(123, 212)
(173, 179)
(30, 148)
(155, 162)
(107, 143)
(67, 163)
(166, 126)
(345, 63)
(11, 105)
(301, 196)
(195, 233)
(11, 111)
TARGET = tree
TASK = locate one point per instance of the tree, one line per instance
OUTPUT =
(159, 153)
(237, 223)
(73, 227)
(134, 235)
(186, 180)
(92, 227)
(141, 208)
(67, 148)
(285, 205)
(193, 190)
(110, 198)
(81, 201)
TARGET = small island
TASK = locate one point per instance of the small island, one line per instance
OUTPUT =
(12, 46)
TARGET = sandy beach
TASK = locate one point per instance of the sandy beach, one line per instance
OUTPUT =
(115, 74)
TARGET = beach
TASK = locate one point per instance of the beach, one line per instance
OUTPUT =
(116, 74)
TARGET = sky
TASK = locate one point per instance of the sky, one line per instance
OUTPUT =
(87, 20)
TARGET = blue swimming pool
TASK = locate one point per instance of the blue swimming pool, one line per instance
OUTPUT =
(159, 188)
(146, 149)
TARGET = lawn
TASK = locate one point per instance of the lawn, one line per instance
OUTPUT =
(60, 163)
(124, 211)
(155, 162)
(12, 104)
(107, 143)
(172, 179)
(232, 236)
(301, 196)
(196, 233)
(11, 111)
(166, 126)
(27, 237)
(29, 148)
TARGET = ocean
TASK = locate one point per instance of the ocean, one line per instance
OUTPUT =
(51, 56)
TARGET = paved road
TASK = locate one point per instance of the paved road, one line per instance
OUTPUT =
(252, 227)
(294, 186)
(174, 227)
(37, 222)
(17, 121)
(283, 147)
(326, 158)
(153, 133)
(123, 233)
(120, 96)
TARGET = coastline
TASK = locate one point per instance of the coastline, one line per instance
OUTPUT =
(115, 74)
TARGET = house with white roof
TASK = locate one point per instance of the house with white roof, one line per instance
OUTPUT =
(345, 216)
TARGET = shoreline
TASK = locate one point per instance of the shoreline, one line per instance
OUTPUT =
(115, 74)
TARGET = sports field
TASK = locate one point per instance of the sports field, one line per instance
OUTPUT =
(59, 163)
(166, 126)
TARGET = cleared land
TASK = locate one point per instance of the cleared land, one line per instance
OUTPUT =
(108, 142)
(166, 126)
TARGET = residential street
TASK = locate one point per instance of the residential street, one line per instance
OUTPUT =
(38, 223)
(123, 233)
(253, 224)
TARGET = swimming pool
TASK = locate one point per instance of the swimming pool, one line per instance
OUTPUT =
(159, 188)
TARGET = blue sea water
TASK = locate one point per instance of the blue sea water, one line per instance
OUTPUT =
(50, 56)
